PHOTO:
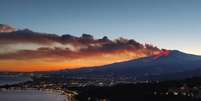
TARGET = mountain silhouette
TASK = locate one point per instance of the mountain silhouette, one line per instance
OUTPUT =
(172, 63)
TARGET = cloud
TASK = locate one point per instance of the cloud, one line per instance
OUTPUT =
(26, 45)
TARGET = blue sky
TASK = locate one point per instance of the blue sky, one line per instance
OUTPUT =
(172, 24)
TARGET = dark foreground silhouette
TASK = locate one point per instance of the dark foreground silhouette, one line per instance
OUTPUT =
(185, 90)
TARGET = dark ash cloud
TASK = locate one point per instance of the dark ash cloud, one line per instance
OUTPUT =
(64, 46)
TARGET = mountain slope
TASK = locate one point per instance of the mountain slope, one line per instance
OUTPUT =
(171, 63)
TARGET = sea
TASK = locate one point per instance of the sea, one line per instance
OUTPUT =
(31, 95)
(26, 95)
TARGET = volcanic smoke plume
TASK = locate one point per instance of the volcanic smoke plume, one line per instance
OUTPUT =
(25, 50)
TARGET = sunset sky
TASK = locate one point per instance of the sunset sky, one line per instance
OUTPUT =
(169, 24)
(25, 50)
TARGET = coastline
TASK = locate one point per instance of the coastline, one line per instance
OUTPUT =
(69, 96)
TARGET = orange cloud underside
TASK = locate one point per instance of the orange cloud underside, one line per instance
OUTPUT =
(27, 51)
(50, 64)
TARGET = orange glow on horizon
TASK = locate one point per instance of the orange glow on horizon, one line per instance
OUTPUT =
(44, 64)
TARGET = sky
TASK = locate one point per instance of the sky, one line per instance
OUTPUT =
(171, 24)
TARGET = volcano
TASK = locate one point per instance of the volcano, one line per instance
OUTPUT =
(166, 63)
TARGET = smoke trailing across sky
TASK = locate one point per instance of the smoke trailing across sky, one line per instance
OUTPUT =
(35, 51)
